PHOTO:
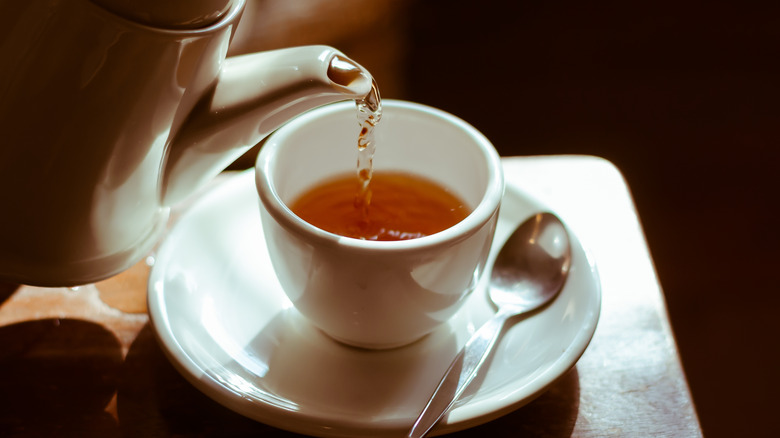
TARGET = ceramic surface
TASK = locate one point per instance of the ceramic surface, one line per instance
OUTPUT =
(107, 121)
(415, 285)
(226, 324)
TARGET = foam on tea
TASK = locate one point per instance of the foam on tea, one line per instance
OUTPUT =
(403, 206)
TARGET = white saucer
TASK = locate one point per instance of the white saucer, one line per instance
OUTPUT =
(225, 323)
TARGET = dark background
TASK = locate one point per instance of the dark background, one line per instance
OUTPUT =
(683, 98)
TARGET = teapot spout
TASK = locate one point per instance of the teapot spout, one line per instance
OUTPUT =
(253, 95)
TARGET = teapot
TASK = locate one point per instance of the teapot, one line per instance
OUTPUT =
(111, 111)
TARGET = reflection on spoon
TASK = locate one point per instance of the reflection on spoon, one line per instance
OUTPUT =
(529, 272)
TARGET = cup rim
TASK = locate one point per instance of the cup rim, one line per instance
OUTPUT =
(479, 216)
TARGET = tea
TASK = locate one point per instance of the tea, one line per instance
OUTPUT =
(387, 206)
(400, 206)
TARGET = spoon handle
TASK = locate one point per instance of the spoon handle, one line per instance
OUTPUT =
(460, 373)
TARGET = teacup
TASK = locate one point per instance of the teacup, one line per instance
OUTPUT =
(378, 294)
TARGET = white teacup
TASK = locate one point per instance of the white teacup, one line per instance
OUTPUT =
(378, 294)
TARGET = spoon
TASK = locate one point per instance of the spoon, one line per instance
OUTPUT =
(528, 273)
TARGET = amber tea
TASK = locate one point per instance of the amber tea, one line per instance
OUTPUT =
(402, 206)
(386, 206)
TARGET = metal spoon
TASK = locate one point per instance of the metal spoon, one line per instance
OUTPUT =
(529, 272)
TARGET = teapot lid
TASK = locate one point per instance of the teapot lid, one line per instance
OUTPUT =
(169, 14)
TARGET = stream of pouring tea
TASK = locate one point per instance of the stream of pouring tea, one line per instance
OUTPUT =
(387, 205)
(369, 111)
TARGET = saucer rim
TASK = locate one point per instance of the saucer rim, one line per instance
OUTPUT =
(464, 416)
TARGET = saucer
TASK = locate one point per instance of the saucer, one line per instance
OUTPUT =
(225, 323)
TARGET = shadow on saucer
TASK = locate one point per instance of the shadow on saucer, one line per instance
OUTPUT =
(288, 358)
(334, 380)
(155, 400)
(58, 377)
(552, 414)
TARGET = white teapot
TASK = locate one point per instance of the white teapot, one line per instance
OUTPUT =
(112, 110)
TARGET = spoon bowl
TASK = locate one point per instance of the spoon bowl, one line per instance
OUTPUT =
(533, 264)
(528, 273)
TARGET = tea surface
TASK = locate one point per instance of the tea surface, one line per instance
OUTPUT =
(400, 206)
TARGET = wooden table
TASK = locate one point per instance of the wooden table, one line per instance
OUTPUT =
(84, 361)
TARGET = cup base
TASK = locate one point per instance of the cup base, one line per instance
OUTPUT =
(371, 345)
